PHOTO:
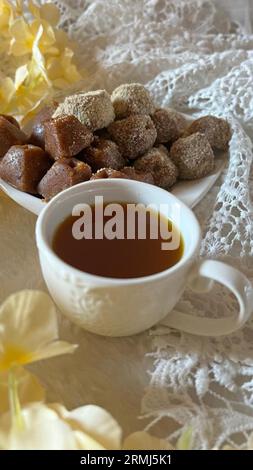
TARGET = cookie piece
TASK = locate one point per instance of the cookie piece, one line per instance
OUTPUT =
(10, 135)
(134, 135)
(38, 130)
(11, 119)
(65, 136)
(193, 156)
(158, 163)
(138, 175)
(127, 172)
(169, 125)
(94, 109)
(216, 130)
(103, 153)
(23, 166)
(107, 173)
(64, 173)
(131, 98)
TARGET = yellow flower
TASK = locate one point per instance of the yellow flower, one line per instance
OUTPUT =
(28, 330)
(24, 34)
(29, 388)
(61, 71)
(48, 427)
(37, 57)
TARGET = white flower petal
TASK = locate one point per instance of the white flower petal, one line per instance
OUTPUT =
(85, 442)
(29, 320)
(43, 430)
(53, 427)
(142, 440)
(98, 424)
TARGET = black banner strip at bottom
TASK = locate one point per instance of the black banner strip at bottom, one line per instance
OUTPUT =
(109, 459)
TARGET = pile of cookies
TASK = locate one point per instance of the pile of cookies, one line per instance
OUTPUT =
(94, 135)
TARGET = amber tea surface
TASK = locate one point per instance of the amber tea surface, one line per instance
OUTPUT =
(117, 258)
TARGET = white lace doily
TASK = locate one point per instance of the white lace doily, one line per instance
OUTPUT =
(194, 58)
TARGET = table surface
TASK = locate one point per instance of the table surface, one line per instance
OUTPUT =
(110, 372)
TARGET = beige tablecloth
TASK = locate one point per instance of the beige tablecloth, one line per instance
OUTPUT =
(110, 372)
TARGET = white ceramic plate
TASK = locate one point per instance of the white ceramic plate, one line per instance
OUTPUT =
(189, 192)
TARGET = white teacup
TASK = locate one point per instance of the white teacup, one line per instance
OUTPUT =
(121, 307)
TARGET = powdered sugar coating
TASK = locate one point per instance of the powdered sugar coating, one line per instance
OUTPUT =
(216, 130)
(132, 98)
(134, 135)
(94, 109)
(169, 125)
(158, 163)
(193, 156)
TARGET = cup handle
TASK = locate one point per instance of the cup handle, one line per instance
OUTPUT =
(201, 280)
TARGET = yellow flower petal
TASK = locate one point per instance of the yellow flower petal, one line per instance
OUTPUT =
(63, 41)
(56, 348)
(28, 329)
(142, 440)
(7, 91)
(48, 36)
(31, 113)
(48, 12)
(28, 318)
(20, 76)
(6, 15)
(37, 55)
(22, 38)
(34, 9)
(61, 71)
(29, 388)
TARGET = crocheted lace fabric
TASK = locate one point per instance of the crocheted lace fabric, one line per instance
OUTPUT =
(192, 57)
